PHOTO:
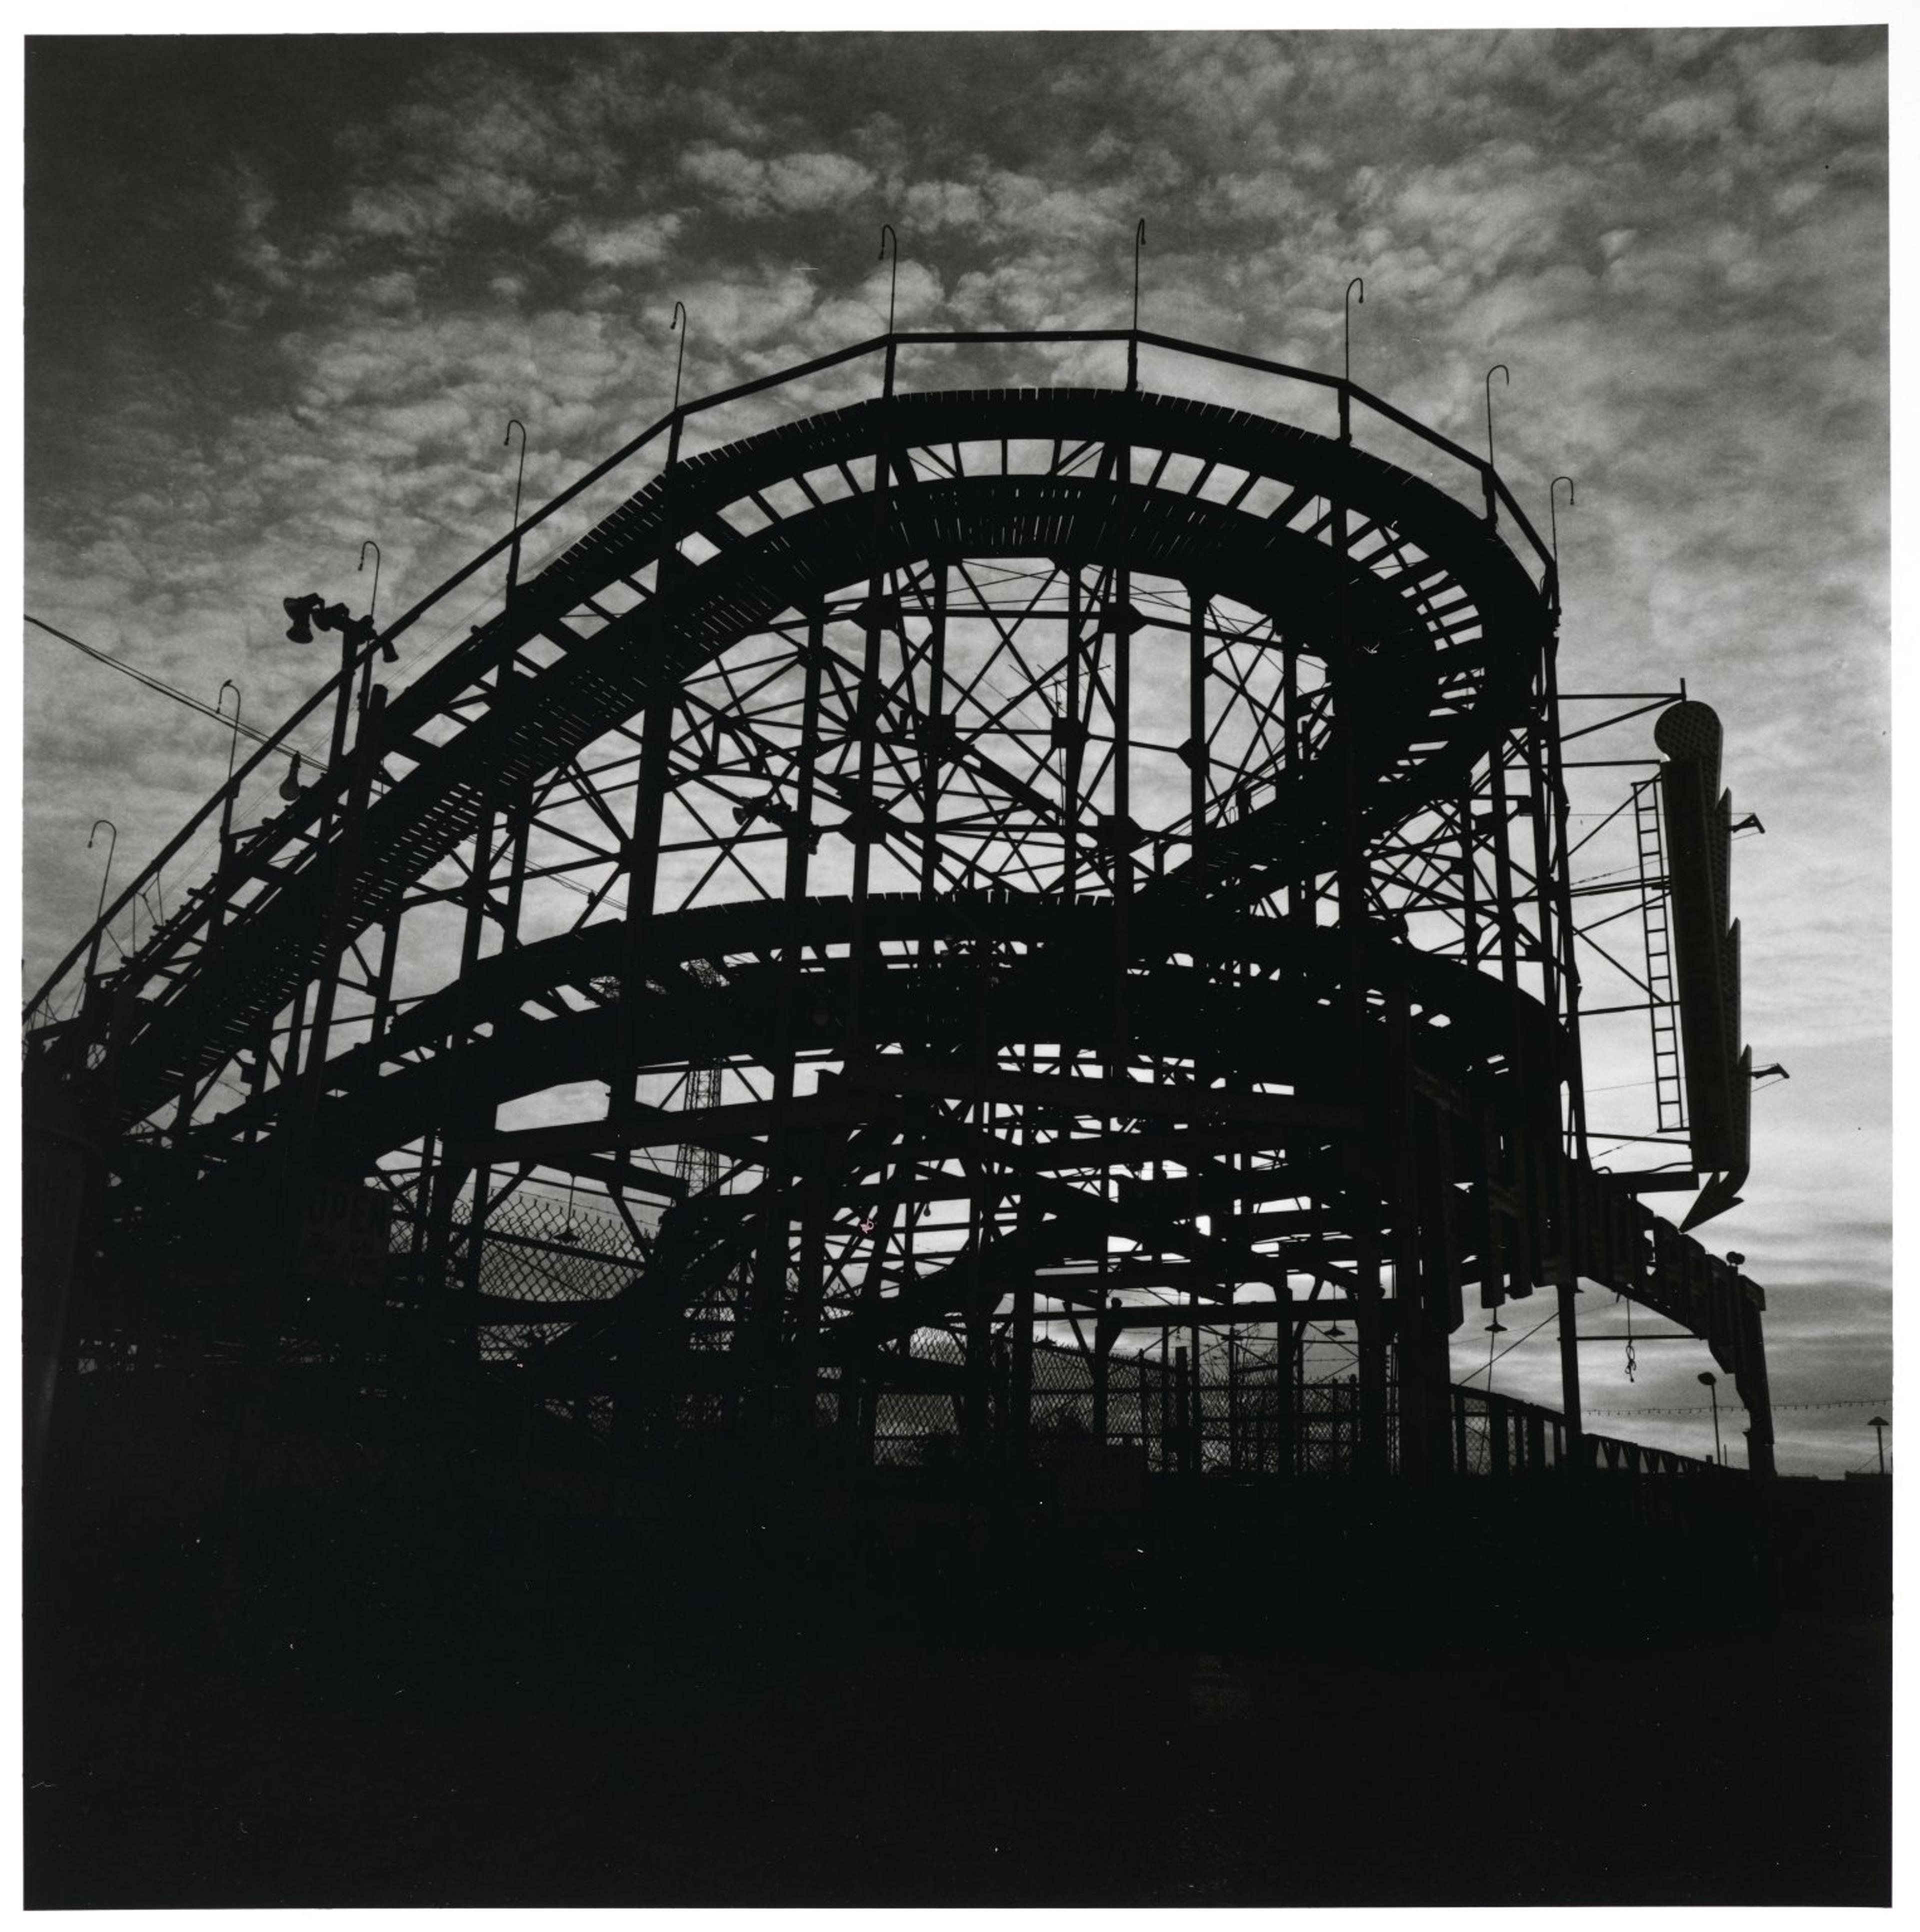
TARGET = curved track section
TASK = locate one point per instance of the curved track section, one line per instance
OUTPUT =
(1431, 658)
(549, 1017)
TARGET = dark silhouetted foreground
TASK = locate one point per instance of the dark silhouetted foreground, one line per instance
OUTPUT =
(906, 1700)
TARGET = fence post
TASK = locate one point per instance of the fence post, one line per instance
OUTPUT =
(1183, 1412)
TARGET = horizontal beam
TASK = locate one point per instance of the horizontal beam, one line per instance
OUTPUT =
(1131, 1100)
(514, 1309)
(613, 1174)
(1224, 1315)
(661, 1126)
(1637, 1339)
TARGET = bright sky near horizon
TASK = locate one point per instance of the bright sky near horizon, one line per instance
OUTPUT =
(284, 295)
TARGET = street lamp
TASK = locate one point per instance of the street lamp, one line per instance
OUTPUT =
(1879, 1425)
(1495, 1330)
(1707, 1376)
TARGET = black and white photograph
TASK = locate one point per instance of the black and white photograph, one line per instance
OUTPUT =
(957, 965)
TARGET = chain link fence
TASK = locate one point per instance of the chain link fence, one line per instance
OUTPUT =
(547, 1271)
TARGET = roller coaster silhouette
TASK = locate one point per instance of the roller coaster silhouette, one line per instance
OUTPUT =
(947, 888)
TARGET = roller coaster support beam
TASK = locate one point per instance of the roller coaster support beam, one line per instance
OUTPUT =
(1567, 1293)
(640, 870)
(1285, 1315)
(1423, 1308)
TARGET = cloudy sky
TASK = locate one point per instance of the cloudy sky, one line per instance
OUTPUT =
(283, 295)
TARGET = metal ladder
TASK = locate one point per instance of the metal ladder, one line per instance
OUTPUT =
(1669, 1090)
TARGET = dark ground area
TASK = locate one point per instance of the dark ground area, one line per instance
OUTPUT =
(1501, 1708)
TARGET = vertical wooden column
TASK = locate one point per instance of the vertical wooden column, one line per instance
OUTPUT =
(1352, 880)
(1301, 904)
(1494, 1242)
(1469, 916)
(1070, 734)
(1183, 1425)
(1122, 853)
(1539, 806)
(1102, 1362)
(792, 1181)
(518, 812)
(289, 1053)
(976, 1407)
(1569, 1373)
(934, 729)
(810, 1170)
(1563, 893)
(1167, 1428)
(1286, 1409)
(1233, 1458)
(1370, 1313)
(641, 864)
(258, 1066)
(1019, 1406)
(1504, 916)
(383, 1014)
(1751, 1381)
(867, 712)
(1190, 1438)
(1196, 746)
(302, 1083)
(303, 1077)
(1370, 1342)
(1420, 1333)
(1505, 1265)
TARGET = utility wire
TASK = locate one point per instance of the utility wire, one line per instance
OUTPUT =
(1512, 1346)
(246, 731)
(1702, 1407)
(151, 682)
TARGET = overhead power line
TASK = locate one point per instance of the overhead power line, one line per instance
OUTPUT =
(152, 683)
(289, 747)
(1701, 1408)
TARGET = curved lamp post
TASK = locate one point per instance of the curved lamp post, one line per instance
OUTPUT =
(886, 230)
(513, 553)
(1498, 369)
(233, 745)
(106, 873)
(373, 602)
(1553, 524)
(1133, 340)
